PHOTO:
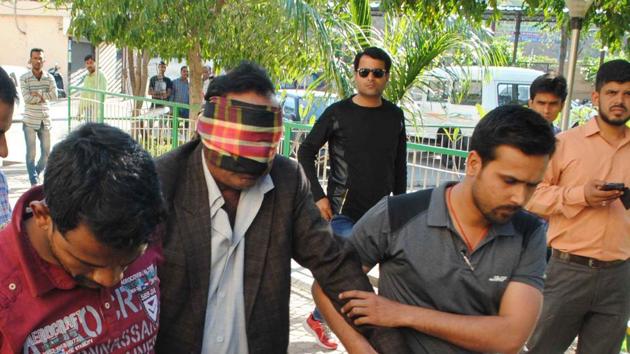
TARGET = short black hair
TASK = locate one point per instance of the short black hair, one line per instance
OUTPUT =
(515, 126)
(100, 177)
(33, 50)
(549, 83)
(615, 70)
(161, 62)
(8, 92)
(375, 53)
(182, 68)
(88, 57)
(247, 76)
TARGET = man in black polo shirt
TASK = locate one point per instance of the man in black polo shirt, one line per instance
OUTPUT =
(461, 266)
(368, 155)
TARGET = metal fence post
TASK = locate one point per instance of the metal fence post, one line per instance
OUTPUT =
(70, 88)
(175, 130)
(286, 145)
(101, 107)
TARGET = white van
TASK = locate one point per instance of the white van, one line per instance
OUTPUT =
(460, 96)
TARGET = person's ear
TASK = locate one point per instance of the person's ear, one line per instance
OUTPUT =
(41, 215)
(595, 99)
(474, 164)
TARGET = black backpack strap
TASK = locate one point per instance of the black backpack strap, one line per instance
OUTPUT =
(404, 207)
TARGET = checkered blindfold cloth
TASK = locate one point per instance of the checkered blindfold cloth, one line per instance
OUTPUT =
(240, 137)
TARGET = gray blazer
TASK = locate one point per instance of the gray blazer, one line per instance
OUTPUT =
(287, 226)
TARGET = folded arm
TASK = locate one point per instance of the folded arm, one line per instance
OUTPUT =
(30, 97)
(51, 95)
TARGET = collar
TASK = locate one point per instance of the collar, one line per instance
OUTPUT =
(263, 185)
(438, 215)
(591, 127)
(41, 276)
(44, 74)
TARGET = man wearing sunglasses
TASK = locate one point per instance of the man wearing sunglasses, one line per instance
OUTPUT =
(367, 152)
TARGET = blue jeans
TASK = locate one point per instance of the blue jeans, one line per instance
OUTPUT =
(342, 227)
(30, 135)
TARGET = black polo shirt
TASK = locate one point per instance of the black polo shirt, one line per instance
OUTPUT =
(423, 261)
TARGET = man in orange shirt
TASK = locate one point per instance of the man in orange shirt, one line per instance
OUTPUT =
(587, 288)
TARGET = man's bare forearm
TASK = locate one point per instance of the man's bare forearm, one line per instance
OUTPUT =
(352, 340)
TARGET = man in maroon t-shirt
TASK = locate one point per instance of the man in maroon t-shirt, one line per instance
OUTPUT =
(77, 268)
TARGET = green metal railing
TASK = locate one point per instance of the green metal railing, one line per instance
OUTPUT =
(158, 125)
(160, 129)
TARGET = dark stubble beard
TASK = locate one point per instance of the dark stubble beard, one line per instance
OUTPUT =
(489, 214)
(616, 123)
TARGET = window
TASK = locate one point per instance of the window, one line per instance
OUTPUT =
(467, 92)
(438, 90)
(513, 94)
(288, 108)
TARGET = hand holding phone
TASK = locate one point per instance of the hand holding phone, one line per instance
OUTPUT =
(613, 187)
(599, 193)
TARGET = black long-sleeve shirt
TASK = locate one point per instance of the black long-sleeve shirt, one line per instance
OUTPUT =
(367, 155)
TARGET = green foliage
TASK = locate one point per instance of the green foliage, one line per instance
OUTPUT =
(165, 27)
(611, 17)
(295, 38)
(589, 65)
(416, 49)
(270, 40)
(432, 13)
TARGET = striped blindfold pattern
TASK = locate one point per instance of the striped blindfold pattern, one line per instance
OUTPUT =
(241, 137)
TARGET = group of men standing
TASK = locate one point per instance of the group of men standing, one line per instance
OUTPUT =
(218, 220)
(165, 89)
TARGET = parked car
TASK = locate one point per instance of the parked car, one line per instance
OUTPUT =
(304, 106)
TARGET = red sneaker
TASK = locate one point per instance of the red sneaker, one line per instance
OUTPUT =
(320, 331)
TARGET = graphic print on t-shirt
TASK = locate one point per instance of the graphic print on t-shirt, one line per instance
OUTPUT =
(126, 323)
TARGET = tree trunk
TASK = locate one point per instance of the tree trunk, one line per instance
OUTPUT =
(564, 41)
(138, 66)
(195, 70)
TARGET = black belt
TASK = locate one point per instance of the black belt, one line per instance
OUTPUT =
(589, 262)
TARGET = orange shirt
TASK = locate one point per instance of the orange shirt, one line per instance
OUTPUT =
(597, 232)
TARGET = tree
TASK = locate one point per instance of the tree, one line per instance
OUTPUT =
(225, 31)
(168, 28)
(291, 38)
(610, 17)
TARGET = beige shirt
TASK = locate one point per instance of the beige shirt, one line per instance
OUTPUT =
(597, 232)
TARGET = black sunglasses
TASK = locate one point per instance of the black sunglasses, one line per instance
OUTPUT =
(378, 73)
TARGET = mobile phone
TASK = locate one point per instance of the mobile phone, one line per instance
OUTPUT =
(612, 187)
(625, 198)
